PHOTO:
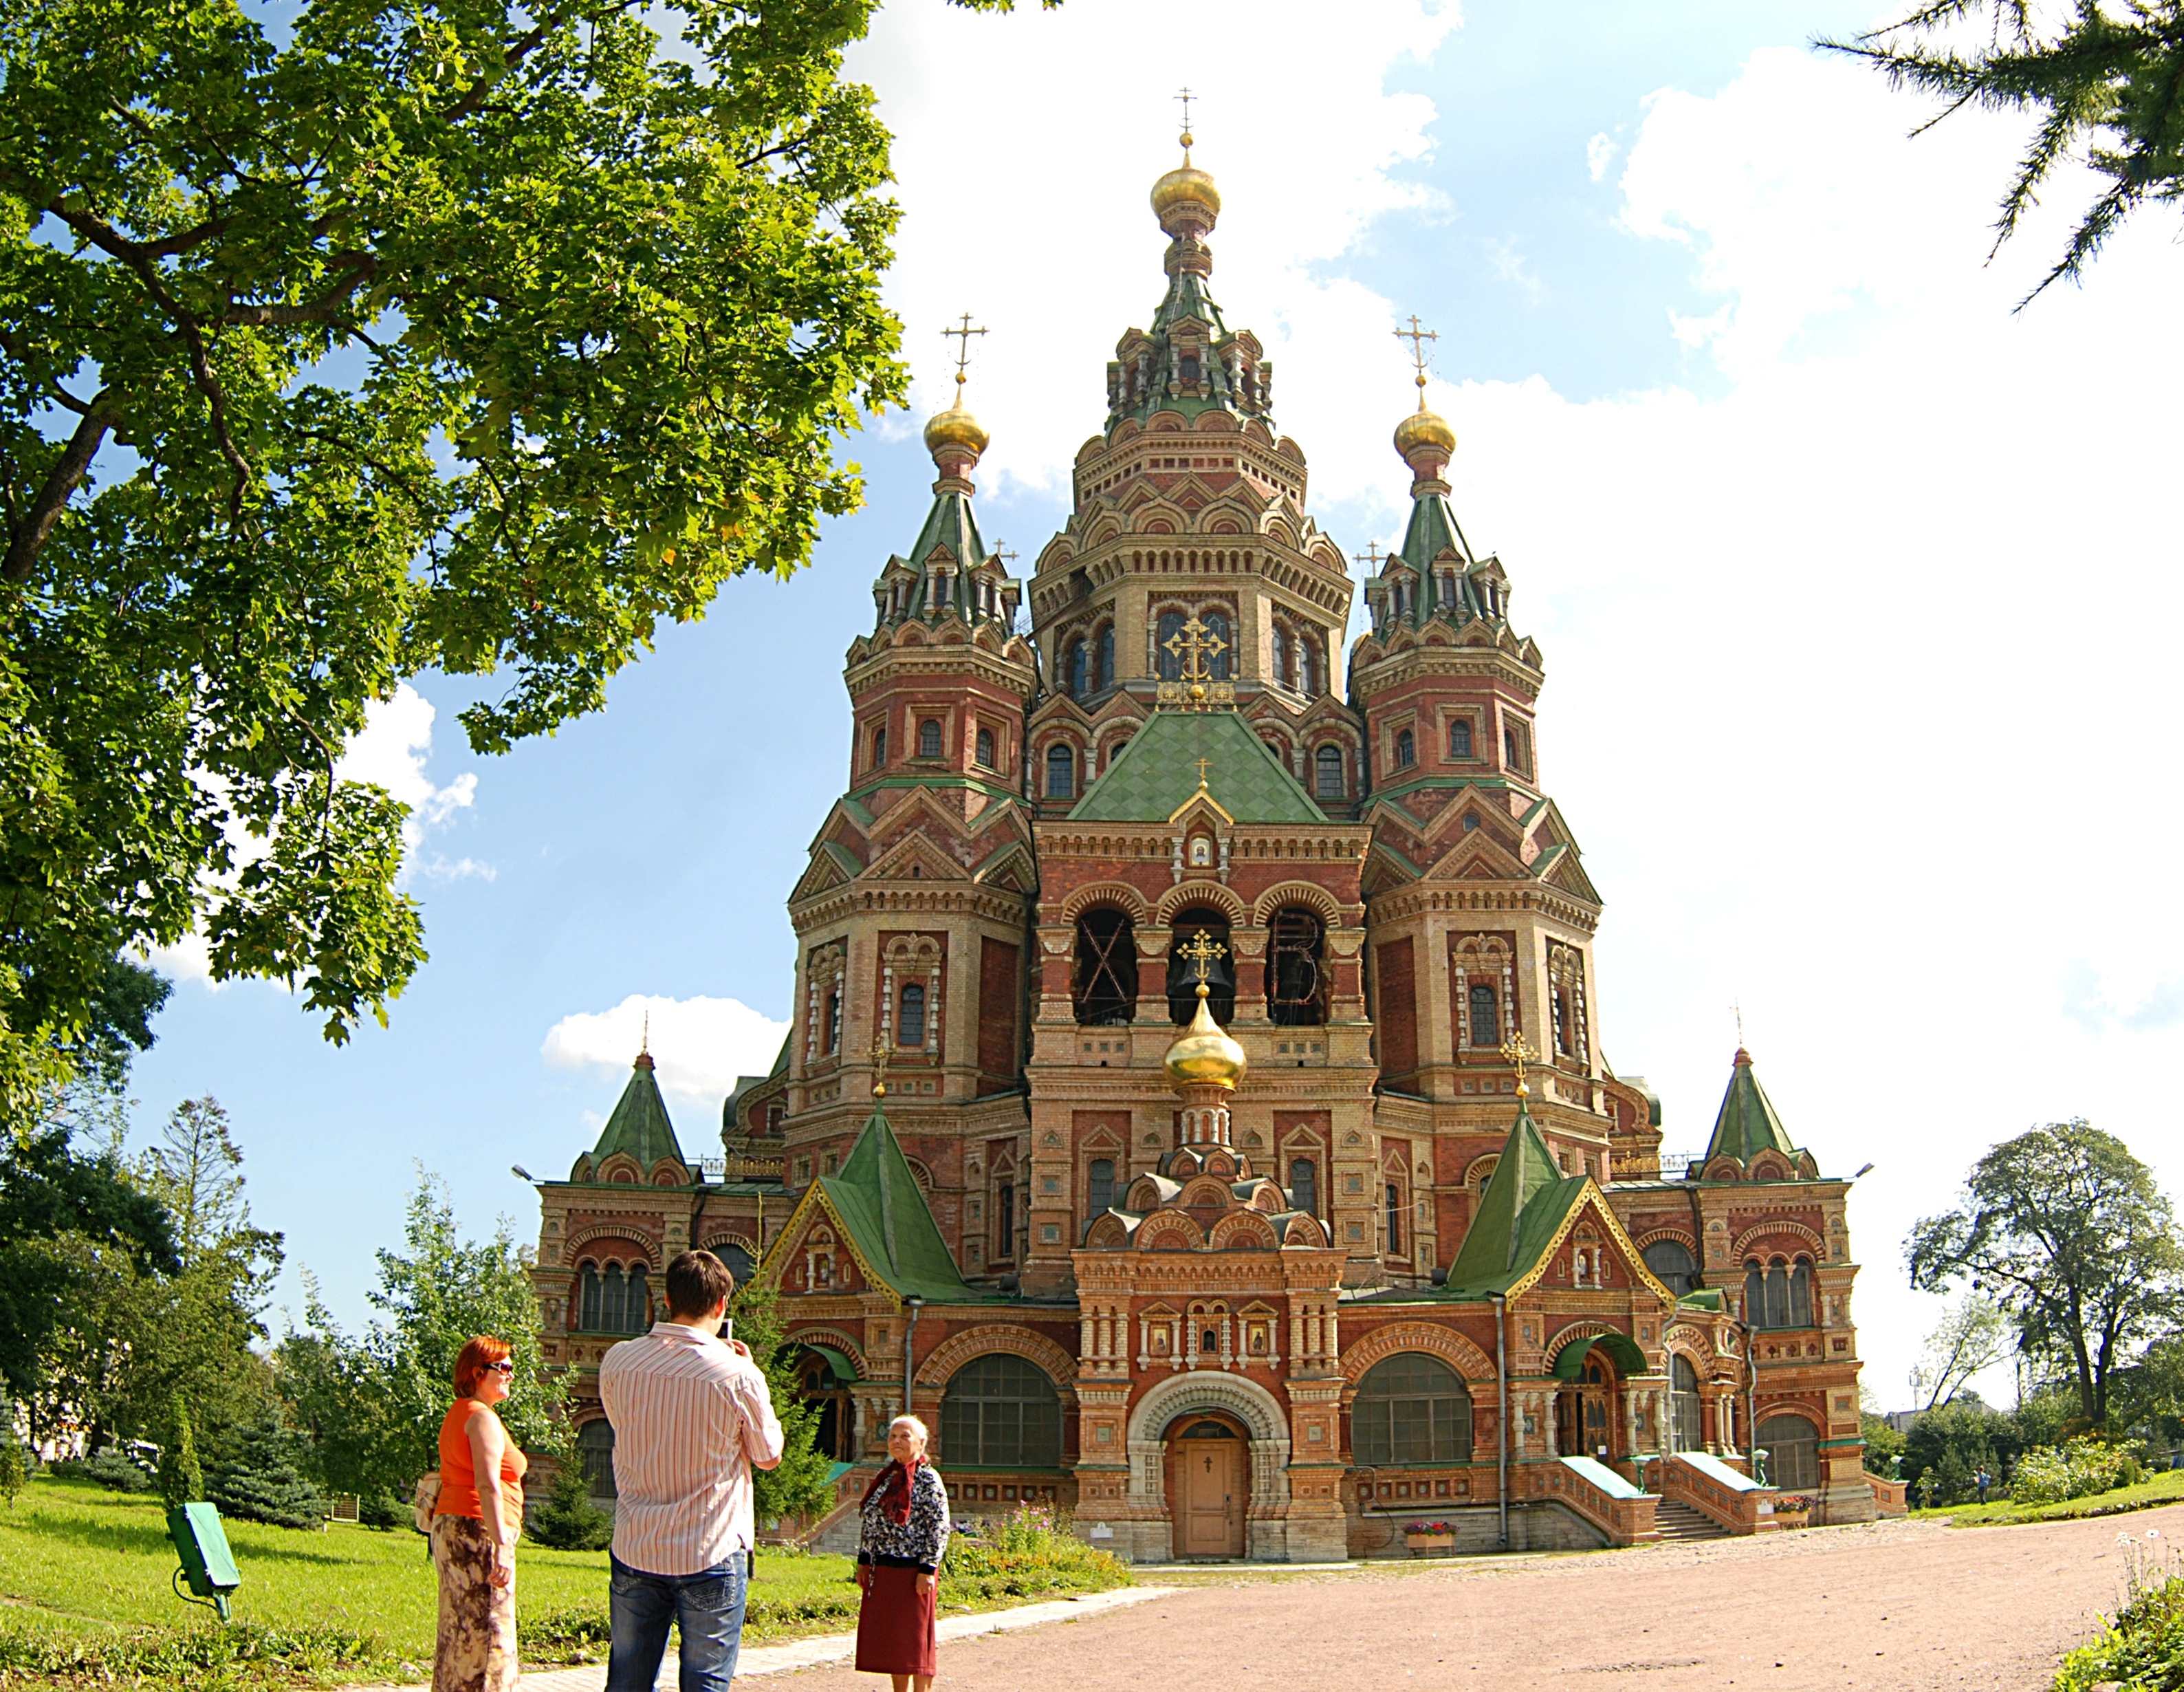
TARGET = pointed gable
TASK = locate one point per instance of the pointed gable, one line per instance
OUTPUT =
(1156, 773)
(876, 1202)
(1519, 1215)
(639, 1127)
(1746, 1124)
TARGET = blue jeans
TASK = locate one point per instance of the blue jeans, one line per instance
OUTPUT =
(707, 1606)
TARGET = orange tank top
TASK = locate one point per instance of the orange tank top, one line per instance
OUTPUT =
(458, 1476)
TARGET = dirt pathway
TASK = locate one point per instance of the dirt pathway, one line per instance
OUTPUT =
(1905, 1605)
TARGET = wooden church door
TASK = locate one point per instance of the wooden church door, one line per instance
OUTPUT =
(1210, 1491)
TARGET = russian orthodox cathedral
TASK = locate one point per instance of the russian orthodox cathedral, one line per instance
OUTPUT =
(1195, 1107)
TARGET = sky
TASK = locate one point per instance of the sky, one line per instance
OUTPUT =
(1855, 586)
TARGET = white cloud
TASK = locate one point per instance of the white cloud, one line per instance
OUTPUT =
(393, 750)
(1506, 261)
(699, 1046)
(1599, 154)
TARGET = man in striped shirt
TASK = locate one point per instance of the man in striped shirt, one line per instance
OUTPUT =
(691, 1417)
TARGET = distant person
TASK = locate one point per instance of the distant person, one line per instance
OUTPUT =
(474, 1528)
(902, 1537)
(1982, 1480)
(692, 1417)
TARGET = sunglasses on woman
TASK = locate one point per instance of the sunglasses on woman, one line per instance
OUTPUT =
(503, 1368)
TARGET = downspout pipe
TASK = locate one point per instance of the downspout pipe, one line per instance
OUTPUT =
(913, 1304)
(1502, 1429)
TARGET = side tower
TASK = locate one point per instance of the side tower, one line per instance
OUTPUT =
(912, 917)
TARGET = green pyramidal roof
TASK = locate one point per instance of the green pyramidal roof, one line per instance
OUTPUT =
(1433, 531)
(1519, 1215)
(1151, 776)
(639, 1125)
(877, 1199)
(1747, 1124)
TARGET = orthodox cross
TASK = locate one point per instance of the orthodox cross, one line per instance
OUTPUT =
(1194, 644)
(1417, 337)
(961, 334)
(1200, 952)
(1515, 1051)
(1371, 557)
(644, 1040)
(879, 1067)
(1186, 97)
(1204, 763)
(1737, 1010)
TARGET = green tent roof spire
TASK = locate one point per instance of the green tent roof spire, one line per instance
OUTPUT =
(639, 1124)
(1747, 1124)
(878, 1199)
(1493, 1253)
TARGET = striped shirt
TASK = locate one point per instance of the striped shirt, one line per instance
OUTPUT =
(690, 1417)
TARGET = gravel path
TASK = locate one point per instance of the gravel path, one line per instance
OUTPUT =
(1908, 1605)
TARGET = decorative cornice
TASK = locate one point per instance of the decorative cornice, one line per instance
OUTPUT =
(1427, 898)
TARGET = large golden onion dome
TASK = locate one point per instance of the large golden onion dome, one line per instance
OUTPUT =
(1186, 182)
(956, 427)
(1203, 1054)
(1424, 428)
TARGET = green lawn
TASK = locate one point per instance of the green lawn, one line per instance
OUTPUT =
(2166, 1488)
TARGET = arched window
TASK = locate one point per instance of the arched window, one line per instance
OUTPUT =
(1281, 655)
(636, 1307)
(1513, 745)
(1005, 1221)
(737, 1260)
(1459, 738)
(1077, 669)
(1327, 766)
(910, 1020)
(1673, 1266)
(1801, 1294)
(1395, 1200)
(1685, 1431)
(1000, 1412)
(1485, 1018)
(610, 1300)
(1221, 664)
(1304, 1185)
(834, 1020)
(1103, 665)
(1104, 986)
(986, 749)
(589, 1317)
(1406, 750)
(1793, 1453)
(1778, 1294)
(1169, 663)
(1061, 773)
(880, 747)
(1099, 1187)
(1755, 1293)
(1296, 986)
(928, 737)
(1307, 664)
(1411, 1409)
(595, 1450)
(1182, 972)
(1562, 1018)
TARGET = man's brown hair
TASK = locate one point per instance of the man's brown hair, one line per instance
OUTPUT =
(696, 1281)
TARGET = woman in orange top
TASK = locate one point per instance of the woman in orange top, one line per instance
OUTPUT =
(474, 1528)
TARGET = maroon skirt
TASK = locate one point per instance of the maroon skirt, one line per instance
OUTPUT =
(895, 1626)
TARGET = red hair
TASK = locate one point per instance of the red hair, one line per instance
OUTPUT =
(478, 1356)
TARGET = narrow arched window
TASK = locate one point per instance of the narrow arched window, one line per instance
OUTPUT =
(1061, 773)
(1168, 663)
(834, 1020)
(1296, 983)
(1327, 766)
(1685, 1430)
(1755, 1294)
(1103, 667)
(1485, 1018)
(636, 1307)
(1673, 1266)
(595, 1444)
(1394, 1203)
(1406, 750)
(1077, 668)
(1459, 738)
(610, 1300)
(1105, 979)
(1304, 1185)
(909, 1021)
(1562, 1020)
(589, 1310)
(986, 749)
(880, 747)
(1801, 1295)
(928, 737)
(1778, 1294)
(1307, 665)
(1099, 1187)
(1281, 655)
(1411, 1409)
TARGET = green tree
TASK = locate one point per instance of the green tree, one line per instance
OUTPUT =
(1973, 1335)
(460, 335)
(14, 1466)
(2107, 81)
(1948, 1445)
(182, 1478)
(261, 1474)
(566, 1519)
(799, 1484)
(2067, 1232)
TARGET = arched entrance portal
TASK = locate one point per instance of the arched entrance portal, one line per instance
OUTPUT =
(1209, 1486)
(1589, 1407)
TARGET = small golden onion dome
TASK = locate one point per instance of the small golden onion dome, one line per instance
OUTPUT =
(1423, 428)
(1186, 182)
(1204, 1055)
(956, 427)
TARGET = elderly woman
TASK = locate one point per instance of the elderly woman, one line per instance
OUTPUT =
(474, 1528)
(904, 1535)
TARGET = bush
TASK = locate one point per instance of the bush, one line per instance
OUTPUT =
(566, 1519)
(260, 1477)
(2049, 1474)
(383, 1511)
(2143, 1646)
(110, 1466)
(1028, 1552)
(182, 1479)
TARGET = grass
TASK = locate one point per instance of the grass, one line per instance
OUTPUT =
(85, 1597)
(2166, 1488)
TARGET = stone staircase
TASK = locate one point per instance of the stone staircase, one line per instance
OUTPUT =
(1677, 1521)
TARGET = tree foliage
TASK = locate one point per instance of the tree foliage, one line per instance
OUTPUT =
(181, 1477)
(799, 1484)
(261, 1474)
(2067, 1232)
(1973, 1335)
(458, 334)
(2105, 78)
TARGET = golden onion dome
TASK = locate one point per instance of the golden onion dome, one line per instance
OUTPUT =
(1186, 182)
(1424, 428)
(1203, 1054)
(956, 427)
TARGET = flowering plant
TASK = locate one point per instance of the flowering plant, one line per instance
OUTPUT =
(1790, 1503)
(1441, 1527)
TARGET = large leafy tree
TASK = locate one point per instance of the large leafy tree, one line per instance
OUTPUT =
(452, 333)
(2106, 78)
(2068, 1232)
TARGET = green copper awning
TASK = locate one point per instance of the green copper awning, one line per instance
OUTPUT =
(844, 1369)
(1622, 1351)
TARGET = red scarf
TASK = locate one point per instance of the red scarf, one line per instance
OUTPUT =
(893, 1486)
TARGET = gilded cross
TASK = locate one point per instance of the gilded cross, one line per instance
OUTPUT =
(1194, 644)
(1200, 951)
(1204, 764)
(1371, 557)
(1186, 97)
(1515, 1051)
(1737, 1010)
(1417, 337)
(961, 333)
(879, 1069)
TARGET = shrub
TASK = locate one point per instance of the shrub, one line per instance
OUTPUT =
(2143, 1644)
(383, 1511)
(110, 1466)
(2048, 1474)
(566, 1519)
(260, 1477)
(181, 1480)
(1029, 1551)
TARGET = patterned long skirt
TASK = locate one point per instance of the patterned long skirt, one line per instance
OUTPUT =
(477, 1648)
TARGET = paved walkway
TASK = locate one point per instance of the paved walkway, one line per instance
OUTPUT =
(1914, 1605)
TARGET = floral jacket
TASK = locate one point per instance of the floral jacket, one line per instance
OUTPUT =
(917, 1543)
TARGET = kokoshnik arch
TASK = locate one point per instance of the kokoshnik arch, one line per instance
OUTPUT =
(1331, 1259)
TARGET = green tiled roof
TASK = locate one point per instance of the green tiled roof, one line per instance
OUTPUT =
(877, 1199)
(1151, 776)
(639, 1124)
(1520, 1213)
(1747, 1124)
(1433, 531)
